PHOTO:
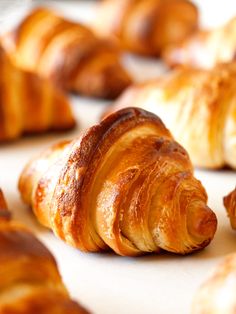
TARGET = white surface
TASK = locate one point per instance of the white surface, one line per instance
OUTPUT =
(106, 283)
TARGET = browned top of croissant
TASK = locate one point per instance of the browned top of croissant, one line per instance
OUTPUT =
(217, 294)
(146, 26)
(230, 205)
(68, 53)
(29, 104)
(125, 184)
(205, 48)
(199, 108)
(30, 281)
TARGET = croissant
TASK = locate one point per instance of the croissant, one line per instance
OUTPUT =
(230, 205)
(198, 106)
(68, 53)
(125, 184)
(30, 280)
(29, 104)
(146, 26)
(217, 294)
(205, 48)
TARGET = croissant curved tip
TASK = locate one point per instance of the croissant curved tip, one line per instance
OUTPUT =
(203, 222)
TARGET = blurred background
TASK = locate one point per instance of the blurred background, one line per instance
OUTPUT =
(212, 12)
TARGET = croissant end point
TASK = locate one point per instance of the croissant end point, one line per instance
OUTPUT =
(203, 222)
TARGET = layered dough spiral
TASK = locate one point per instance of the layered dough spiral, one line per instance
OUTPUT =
(67, 53)
(205, 48)
(146, 26)
(125, 184)
(30, 280)
(29, 103)
(217, 294)
(198, 106)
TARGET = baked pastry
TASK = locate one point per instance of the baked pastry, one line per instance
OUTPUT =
(199, 108)
(67, 53)
(217, 294)
(30, 280)
(29, 104)
(230, 205)
(146, 26)
(125, 184)
(205, 48)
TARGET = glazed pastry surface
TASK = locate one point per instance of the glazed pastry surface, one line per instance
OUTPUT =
(29, 104)
(146, 26)
(124, 185)
(205, 48)
(30, 280)
(217, 294)
(199, 108)
(68, 53)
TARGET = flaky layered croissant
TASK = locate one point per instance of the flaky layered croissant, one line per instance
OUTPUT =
(230, 205)
(198, 106)
(30, 280)
(29, 104)
(146, 26)
(68, 53)
(217, 294)
(125, 184)
(205, 49)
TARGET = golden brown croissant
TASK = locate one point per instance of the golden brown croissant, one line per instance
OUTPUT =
(198, 106)
(205, 49)
(217, 294)
(146, 26)
(29, 104)
(230, 205)
(68, 53)
(30, 280)
(125, 184)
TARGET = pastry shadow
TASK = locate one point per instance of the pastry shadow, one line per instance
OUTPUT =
(148, 257)
(225, 168)
(223, 243)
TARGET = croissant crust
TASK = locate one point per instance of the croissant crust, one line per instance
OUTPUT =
(29, 104)
(67, 53)
(205, 48)
(30, 280)
(125, 184)
(198, 106)
(146, 26)
(217, 294)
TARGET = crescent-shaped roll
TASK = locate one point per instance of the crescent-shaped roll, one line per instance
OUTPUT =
(205, 48)
(199, 108)
(68, 53)
(30, 280)
(230, 205)
(29, 104)
(146, 26)
(217, 294)
(125, 184)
